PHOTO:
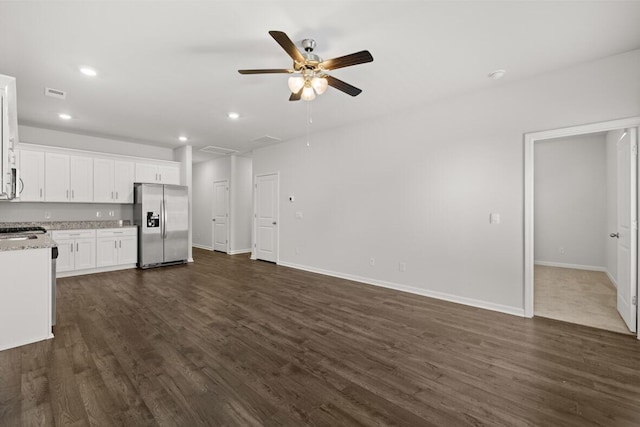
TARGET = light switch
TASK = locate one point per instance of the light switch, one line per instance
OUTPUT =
(494, 218)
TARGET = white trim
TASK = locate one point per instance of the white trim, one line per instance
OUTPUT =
(190, 260)
(207, 248)
(613, 281)
(239, 251)
(529, 140)
(574, 266)
(516, 311)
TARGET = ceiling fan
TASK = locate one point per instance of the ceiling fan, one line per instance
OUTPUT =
(312, 69)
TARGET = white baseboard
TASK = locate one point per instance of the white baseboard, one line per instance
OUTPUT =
(574, 266)
(239, 251)
(208, 248)
(613, 281)
(516, 311)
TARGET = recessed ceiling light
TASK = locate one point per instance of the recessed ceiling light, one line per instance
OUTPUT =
(497, 74)
(64, 116)
(233, 115)
(183, 138)
(88, 71)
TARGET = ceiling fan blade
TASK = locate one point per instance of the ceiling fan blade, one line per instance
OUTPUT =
(285, 42)
(267, 71)
(296, 96)
(345, 87)
(347, 60)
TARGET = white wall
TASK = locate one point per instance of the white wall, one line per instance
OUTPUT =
(611, 245)
(241, 204)
(184, 156)
(26, 211)
(56, 138)
(571, 202)
(204, 174)
(237, 171)
(418, 187)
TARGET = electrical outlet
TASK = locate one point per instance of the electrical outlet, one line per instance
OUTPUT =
(98, 214)
(561, 249)
(47, 215)
(372, 261)
(112, 213)
(402, 267)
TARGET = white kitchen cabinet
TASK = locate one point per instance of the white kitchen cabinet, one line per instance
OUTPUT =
(76, 249)
(81, 179)
(157, 173)
(68, 178)
(31, 185)
(113, 181)
(117, 246)
(56, 174)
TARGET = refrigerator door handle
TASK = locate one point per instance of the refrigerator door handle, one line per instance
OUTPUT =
(164, 218)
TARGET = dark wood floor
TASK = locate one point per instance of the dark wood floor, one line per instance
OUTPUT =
(228, 341)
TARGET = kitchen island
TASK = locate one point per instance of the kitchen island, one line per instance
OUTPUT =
(25, 290)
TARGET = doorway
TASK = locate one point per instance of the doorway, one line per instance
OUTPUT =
(266, 217)
(627, 285)
(221, 216)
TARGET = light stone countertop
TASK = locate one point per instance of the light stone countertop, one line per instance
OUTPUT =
(45, 240)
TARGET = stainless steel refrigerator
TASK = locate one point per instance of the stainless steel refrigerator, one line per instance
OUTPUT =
(162, 214)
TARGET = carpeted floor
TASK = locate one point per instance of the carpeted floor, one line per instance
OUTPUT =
(577, 296)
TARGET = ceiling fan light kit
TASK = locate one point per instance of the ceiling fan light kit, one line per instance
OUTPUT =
(312, 78)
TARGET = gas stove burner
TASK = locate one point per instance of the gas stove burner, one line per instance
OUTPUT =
(27, 229)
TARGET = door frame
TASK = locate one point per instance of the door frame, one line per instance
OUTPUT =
(255, 214)
(213, 211)
(529, 141)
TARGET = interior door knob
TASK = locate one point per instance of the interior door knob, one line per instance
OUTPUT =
(616, 235)
(214, 220)
(274, 223)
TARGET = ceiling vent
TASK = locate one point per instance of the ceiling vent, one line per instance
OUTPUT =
(266, 140)
(55, 93)
(212, 149)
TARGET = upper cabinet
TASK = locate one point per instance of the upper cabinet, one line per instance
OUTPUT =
(31, 184)
(157, 173)
(113, 181)
(50, 174)
(68, 178)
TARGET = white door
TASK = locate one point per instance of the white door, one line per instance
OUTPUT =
(84, 256)
(221, 216)
(123, 181)
(266, 215)
(146, 173)
(106, 251)
(128, 250)
(627, 228)
(32, 176)
(66, 252)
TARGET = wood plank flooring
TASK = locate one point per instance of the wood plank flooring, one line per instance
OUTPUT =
(227, 341)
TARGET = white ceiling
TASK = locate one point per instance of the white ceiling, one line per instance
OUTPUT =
(169, 68)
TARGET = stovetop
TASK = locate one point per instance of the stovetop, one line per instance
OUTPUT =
(19, 230)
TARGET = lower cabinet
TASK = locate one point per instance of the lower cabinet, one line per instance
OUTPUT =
(76, 249)
(91, 251)
(117, 247)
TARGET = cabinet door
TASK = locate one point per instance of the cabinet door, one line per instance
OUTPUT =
(81, 179)
(128, 250)
(103, 181)
(106, 251)
(124, 174)
(56, 172)
(146, 172)
(169, 174)
(85, 253)
(66, 251)
(31, 171)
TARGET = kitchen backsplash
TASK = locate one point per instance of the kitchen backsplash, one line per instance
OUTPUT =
(21, 211)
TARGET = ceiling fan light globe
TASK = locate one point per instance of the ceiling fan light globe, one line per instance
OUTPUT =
(295, 84)
(319, 84)
(308, 94)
